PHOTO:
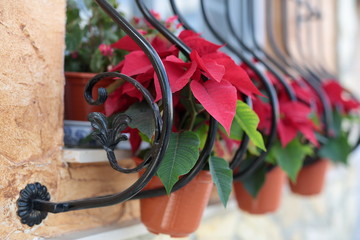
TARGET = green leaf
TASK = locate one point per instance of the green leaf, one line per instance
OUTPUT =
(202, 134)
(183, 57)
(179, 159)
(96, 62)
(291, 158)
(141, 118)
(222, 177)
(255, 181)
(337, 149)
(73, 39)
(247, 119)
(337, 122)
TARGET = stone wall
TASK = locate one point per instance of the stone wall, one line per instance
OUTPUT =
(31, 113)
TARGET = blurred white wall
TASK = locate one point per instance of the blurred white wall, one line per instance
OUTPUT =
(348, 44)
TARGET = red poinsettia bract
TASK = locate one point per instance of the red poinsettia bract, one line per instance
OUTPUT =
(294, 118)
(217, 92)
(339, 98)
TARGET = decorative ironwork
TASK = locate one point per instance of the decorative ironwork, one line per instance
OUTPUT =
(247, 169)
(26, 212)
(34, 201)
(34, 204)
(210, 140)
(109, 134)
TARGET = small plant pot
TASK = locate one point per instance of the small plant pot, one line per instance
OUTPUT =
(77, 131)
(180, 213)
(76, 107)
(311, 179)
(269, 197)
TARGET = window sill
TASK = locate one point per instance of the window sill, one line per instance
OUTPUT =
(80, 155)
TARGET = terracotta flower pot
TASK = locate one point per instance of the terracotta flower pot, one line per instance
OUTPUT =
(179, 214)
(269, 197)
(76, 107)
(311, 178)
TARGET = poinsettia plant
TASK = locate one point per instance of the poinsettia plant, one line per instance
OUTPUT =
(296, 131)
(88, 35)
(205, 84)
(345, 110)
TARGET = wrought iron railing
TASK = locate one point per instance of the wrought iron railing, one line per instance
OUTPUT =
(34, 201)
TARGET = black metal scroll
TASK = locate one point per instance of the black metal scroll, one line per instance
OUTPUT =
(33, 203)
(186, 51)
(246, 171)
(309, 75)
(311, 78)
(267, 60)
(238, 157)
(205, 153)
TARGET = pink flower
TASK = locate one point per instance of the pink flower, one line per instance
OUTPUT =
(136, 20)
(155, 14)
(106, 50)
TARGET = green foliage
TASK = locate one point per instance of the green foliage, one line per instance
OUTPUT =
(202, 131)
(141, 118)
(247, 120)
(290, 158)
(336, 149)
(180, 157)
(87, 27)
(222, 177)
(255, 181)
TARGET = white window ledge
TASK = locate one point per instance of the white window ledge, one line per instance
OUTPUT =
(79, 155)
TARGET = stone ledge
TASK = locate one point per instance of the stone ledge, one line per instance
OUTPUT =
(79, 155)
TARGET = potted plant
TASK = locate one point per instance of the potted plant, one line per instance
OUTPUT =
(205, 84)
(261, 192)
(89, 34)
(337, 147)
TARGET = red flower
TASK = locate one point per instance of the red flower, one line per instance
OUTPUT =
(106, 50)
(217, 94)
(294, 118)
(339, 97)
(197, 43)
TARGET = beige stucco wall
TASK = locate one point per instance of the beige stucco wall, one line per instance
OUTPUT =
(31, 113)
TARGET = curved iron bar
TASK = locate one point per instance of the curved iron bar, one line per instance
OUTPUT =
(311, 38)
(107, 137)
(255, 163)
(200, 164)
(33, 203)
(240, 152)
(309, 72)
(206, 151)
(288, 89)
(287, 59)
(300, 19)
(311, 79)
(314, 80)
(257, 46)
(320, 38)
(181, 18)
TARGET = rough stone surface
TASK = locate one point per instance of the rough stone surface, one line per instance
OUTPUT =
(31, 116)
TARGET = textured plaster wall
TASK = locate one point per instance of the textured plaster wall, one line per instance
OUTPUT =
(31, 116)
